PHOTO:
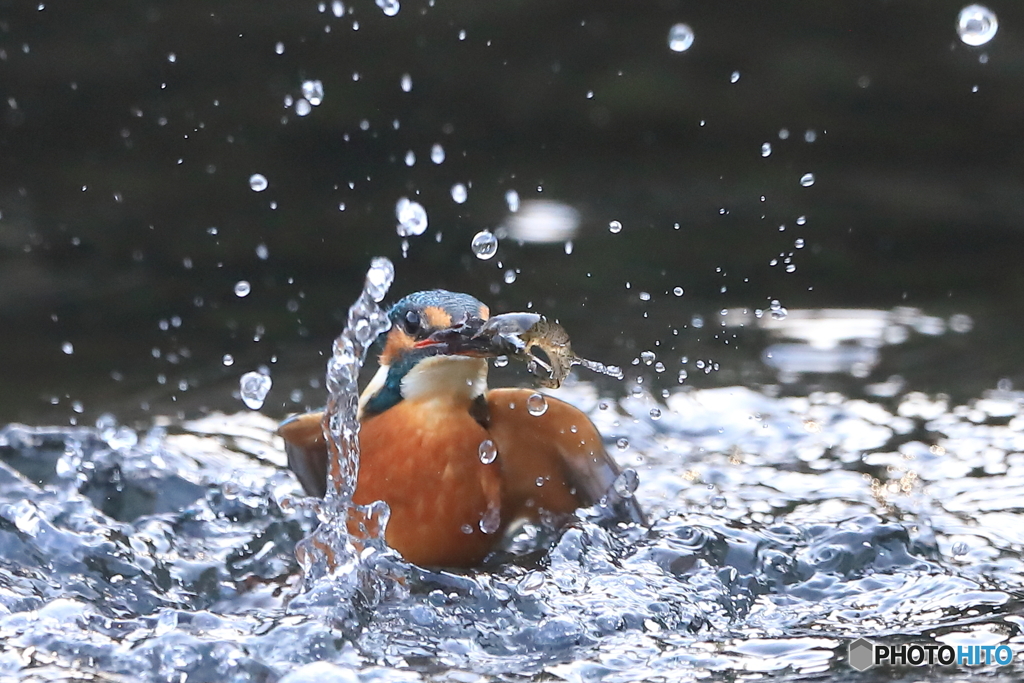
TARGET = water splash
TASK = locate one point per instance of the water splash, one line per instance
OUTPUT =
(348, 533)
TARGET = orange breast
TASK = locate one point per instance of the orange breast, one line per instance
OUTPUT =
(423, 460)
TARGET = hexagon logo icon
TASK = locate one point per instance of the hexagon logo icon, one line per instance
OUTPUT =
(861, 654)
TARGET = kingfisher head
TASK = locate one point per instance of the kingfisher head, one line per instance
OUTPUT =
(432, 351)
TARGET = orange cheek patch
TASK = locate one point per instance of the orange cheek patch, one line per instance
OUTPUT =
(484, 312)
(436, 317)
(397, 344)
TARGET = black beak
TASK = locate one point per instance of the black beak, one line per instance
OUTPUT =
(462, 339)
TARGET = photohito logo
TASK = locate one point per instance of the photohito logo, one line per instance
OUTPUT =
(863, 654)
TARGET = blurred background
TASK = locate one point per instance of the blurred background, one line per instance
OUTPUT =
(192, 191)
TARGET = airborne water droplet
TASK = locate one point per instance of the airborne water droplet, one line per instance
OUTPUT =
(490, 522)
(680, 38)
(766, 149)
(406, 83)
(313, 91)
(626, 483)
(615, 227)
(484, 244)
(68, 348)
(437, 154)
(459, 193)
(254, 388)
(622, 443)
(258, 182)
(500, 361)
(242, 288)
(488, 452)
(390, 9)
(412, 218)
(512, 199)
(976, 25)
(807, 179)
(536, 404)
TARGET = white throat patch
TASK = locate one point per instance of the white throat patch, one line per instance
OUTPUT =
(450, 378)
(454, 378)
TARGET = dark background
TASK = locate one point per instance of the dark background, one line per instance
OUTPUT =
(115, 162)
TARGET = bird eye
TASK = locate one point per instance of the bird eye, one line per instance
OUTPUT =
(412, 322)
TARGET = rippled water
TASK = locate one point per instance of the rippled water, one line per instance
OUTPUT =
(783, 528)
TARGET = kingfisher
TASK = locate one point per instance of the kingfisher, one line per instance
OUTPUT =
(457, 463)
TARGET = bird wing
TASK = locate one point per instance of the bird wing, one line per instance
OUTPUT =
(555, 461)
(307, 452)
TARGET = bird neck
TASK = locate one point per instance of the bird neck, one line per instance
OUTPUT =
(448, 379)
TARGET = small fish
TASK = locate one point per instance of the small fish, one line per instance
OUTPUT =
(528, 335)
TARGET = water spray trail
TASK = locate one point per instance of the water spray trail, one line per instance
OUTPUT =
(346, 530)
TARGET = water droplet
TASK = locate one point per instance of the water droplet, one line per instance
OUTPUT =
(735, 76)
(390, 9)
(254, 388)
(976, 25)
(410, 158)
(810, 135)
(406, 83)
(766, 149)
(680, 38)
(490, 522)
(262, 253)
(412, 217)
(960, 549)
(379, 278)
(437, 154)
(536, 404)
(488, 452)
(313, 91)
(717, 502)
(258, 182)
(683, 374)
(512, 199)
(279, 48)
(171, 57)
(459, 193)
(807, 179)
(622, 443)
(678, 291)
(615, 227)
(626, 483)
(791, 268)
(500, 361)
(242, 288)
(228, 359)
(68, 348)
(467, 529)
(510, 276)
(484, 244)
(799, 243)
(337, 8)
(648, 357)
(655, 413)
(302, 107)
